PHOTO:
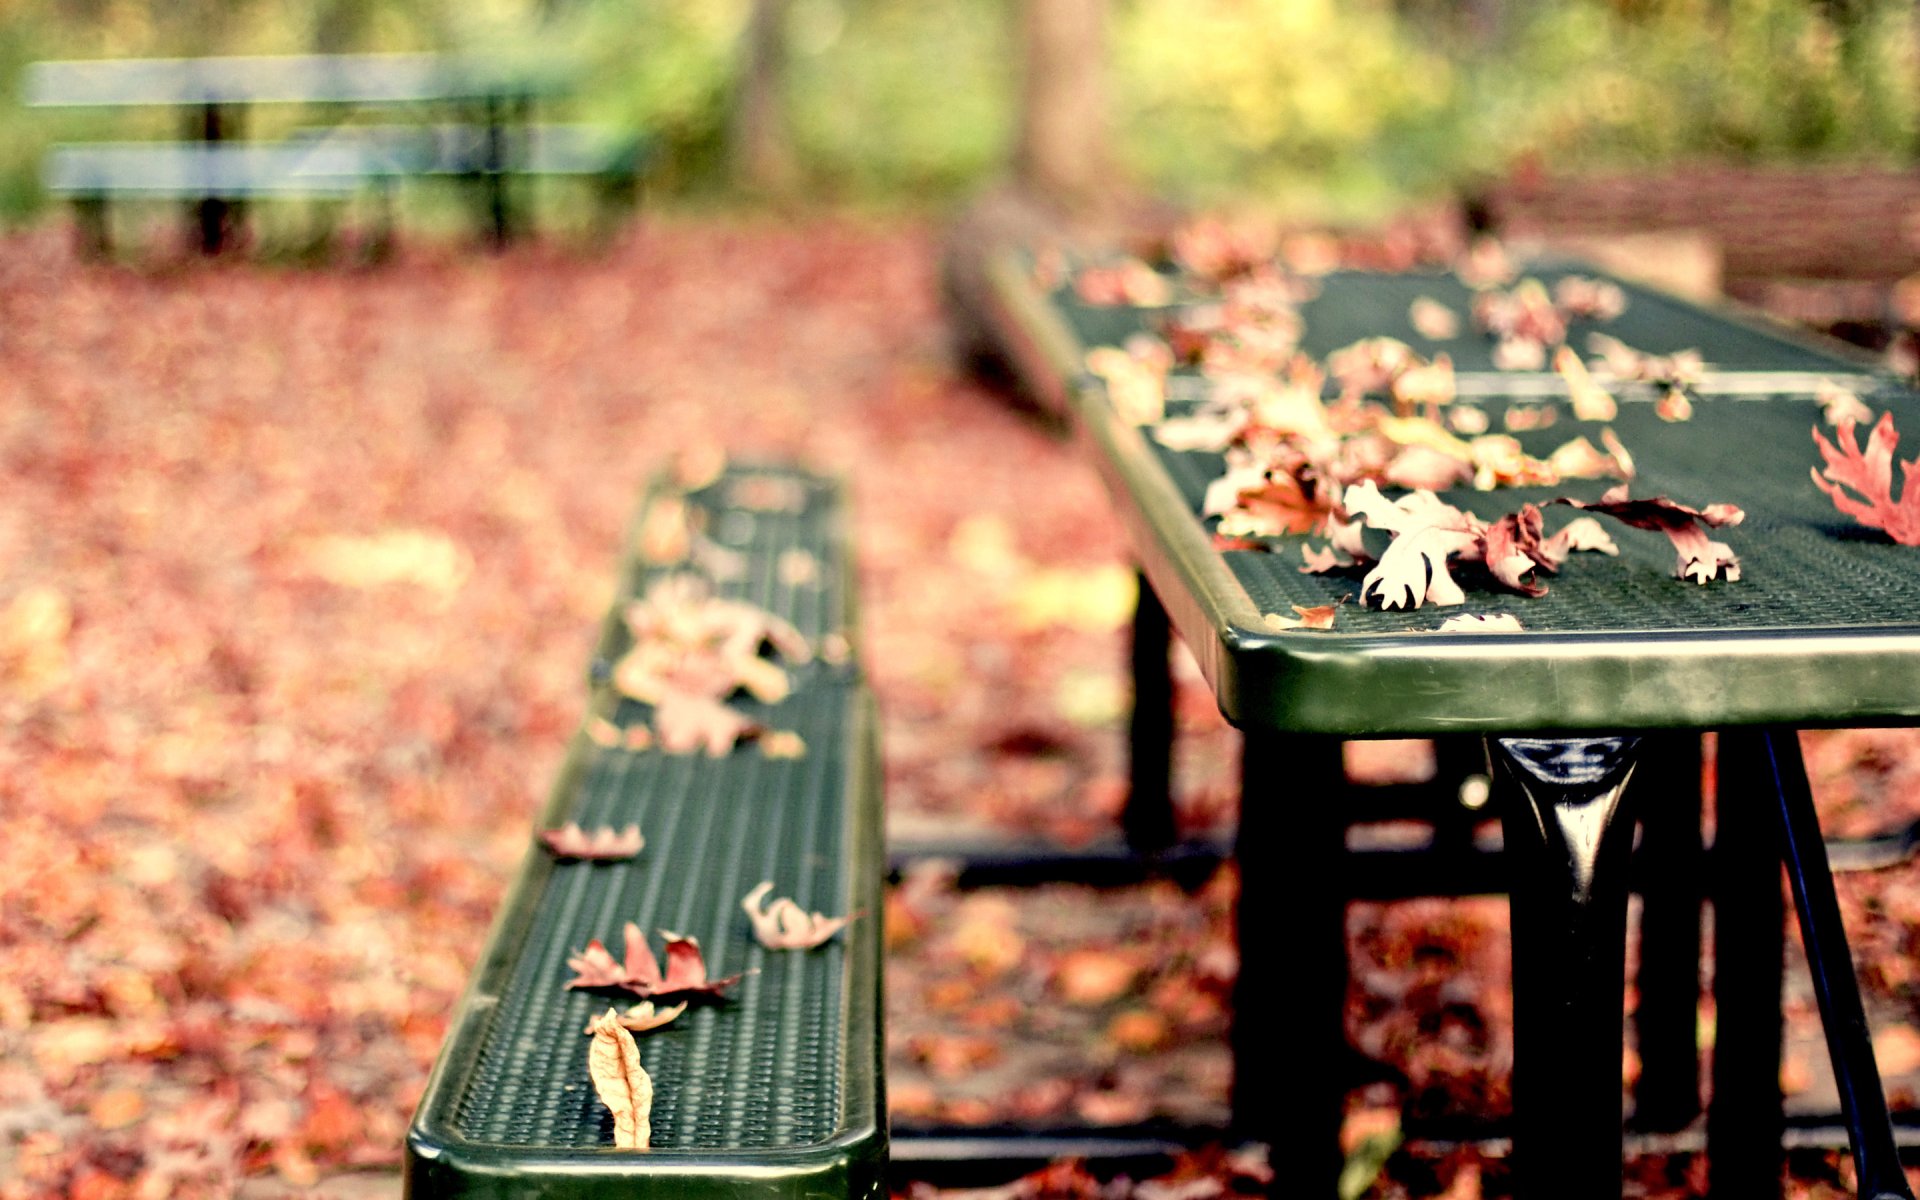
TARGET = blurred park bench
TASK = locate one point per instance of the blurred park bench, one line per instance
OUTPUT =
(491, 142)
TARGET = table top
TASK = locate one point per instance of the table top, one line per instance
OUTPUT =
(305, 78)
(1822, 629)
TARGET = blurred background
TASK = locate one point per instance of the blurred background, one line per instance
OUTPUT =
(1310, 106)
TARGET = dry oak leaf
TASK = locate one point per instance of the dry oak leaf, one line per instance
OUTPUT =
(1870, 476)
(623, 1084)
(1701, 559)
(640, 973)
(605, 844)
(784, 925)
(643, 1017)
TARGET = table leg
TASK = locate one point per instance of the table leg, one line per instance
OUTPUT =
(1667, 876)
(1290, 1064)
(1148, 817)
(1744, 1121)
(1569, 839)
(1876, 1157)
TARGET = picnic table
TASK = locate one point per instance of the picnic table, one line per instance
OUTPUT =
(215, 95)
(1818, 631)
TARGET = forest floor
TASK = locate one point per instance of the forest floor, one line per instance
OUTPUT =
(299, 569)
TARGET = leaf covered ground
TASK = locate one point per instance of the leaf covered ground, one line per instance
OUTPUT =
(299, 574)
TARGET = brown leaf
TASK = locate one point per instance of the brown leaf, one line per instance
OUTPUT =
(605, 844)
(1840, 406)
(784, 925)
(1433, 320)
(1701, 560)
(782, 743)
(623, 1084)
(643, 1017)
(1869, 476)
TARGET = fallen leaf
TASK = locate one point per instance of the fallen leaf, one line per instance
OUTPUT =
(643, 1017)
(796, 568)
(690, 724)
(1433, 320)
(1598, 299)
(665, 537)
(1590, 401)
(640, 973)
(1701, 560)
(429, 561)
(1481, 623)
(623, 1085)
(1839, 405)
(1093, 976)
(603, 733)
(782, 743)
(1869, 477)
(1897, 1048)
(1673, 405)
(784, 925)
(605, 844)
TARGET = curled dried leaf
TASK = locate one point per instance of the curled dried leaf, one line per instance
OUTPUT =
(1590, 401)
(640, 973)
(623, 1084)
(605, 844)
(1700, 558)
(1841, 406)
(643, 1017)
(784, 925)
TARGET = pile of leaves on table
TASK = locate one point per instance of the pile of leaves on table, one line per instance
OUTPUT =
(297, 574)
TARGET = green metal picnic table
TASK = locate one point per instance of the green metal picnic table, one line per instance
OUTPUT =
(1820, 630)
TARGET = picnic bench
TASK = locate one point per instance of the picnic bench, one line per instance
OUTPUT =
(777, 1091)
(1605, 683)
(493, 142)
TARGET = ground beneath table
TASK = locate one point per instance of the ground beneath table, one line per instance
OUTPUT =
(299, 572)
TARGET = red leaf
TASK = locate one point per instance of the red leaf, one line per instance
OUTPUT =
(605, 844)
(1870, 476)
(686, 973)
(1512, 549)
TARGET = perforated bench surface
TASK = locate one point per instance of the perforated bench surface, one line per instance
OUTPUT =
(775, 1092)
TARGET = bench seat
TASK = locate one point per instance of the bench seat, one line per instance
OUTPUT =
(775, 1092)
(462, 149)
(224, 171)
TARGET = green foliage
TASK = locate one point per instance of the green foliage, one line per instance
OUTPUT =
(1340, 107)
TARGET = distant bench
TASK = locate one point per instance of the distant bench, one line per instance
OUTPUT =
(493, 142)
(777, 1091)
(335, 164)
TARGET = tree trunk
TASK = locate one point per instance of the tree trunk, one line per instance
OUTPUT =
(761, 144)
(1064, 153)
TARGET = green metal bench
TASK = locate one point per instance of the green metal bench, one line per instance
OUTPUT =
(775, 1092)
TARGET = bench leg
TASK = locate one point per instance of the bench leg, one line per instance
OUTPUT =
(1569, 840)
(1667, 1096)
(93, 237)
(1876, 1157)
(1290, 1072)
(1148, 817)
(1744, 1120)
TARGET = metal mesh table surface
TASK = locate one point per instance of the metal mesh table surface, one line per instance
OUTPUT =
(784, 1073)
(1820, 629)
